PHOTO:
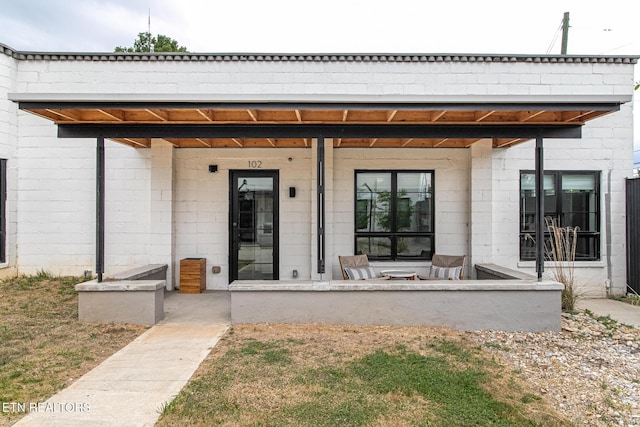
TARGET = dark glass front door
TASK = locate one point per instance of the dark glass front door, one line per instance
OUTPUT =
(253, 225)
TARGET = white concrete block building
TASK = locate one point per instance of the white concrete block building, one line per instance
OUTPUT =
(271, 166)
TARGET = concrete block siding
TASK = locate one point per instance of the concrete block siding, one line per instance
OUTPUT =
(401, 78)
(451, 169)
(603, 148)
(8, 150)
(202, 207)
(56, 201)
(163, 203)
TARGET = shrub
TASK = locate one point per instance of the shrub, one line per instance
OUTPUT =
(561, 250)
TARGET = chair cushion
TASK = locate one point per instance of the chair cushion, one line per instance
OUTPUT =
(361, 273)
(448, 273)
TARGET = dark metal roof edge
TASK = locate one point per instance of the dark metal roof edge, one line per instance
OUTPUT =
(313, 57)
(317, 130)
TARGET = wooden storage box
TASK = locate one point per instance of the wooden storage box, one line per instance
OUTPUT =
(193, 275)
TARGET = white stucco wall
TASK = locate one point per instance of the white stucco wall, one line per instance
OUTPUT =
(56, 178)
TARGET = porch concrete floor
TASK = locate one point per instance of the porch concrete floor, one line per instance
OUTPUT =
(130, 387)
(207, 308)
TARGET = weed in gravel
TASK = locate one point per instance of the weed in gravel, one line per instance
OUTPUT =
(497, 346)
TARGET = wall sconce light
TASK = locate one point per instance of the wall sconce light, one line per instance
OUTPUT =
(292, 191)
(213, 168)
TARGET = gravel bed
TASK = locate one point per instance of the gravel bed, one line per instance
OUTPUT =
(590, 371)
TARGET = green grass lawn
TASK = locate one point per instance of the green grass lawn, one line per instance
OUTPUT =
(312, 375)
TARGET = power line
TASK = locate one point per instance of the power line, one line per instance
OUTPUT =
(555, 37)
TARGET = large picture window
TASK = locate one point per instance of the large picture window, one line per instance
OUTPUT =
(394, 214)
(573, 199)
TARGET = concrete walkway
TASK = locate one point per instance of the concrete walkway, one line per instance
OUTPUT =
(617, 310)
(130, 387)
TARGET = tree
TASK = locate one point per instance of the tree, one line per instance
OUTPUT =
(147, 43)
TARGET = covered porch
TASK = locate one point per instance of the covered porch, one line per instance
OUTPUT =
(322, 127)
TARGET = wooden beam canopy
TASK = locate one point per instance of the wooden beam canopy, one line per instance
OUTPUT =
(202, 124)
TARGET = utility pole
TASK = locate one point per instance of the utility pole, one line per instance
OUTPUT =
(565, 33)
(149, 32)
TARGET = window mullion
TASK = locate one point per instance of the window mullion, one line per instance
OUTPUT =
(559, 204)
(393, 212)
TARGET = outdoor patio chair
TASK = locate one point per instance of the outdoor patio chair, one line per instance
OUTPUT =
(356, 267)
(446, 267)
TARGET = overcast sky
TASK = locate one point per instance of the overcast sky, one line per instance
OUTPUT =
(610, 27)
(290, 26)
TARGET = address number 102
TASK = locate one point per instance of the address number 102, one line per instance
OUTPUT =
(254, 164)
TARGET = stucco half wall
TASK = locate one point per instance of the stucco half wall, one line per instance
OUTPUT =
(510, 305)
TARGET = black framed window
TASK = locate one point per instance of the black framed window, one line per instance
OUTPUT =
(394, 214)
(3, 210)
(573, 199)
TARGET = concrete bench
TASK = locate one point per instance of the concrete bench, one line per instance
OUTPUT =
(131, 296)
(127, 301)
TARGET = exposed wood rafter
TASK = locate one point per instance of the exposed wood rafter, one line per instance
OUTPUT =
(439, 143)
(145, 144)
(481, 115)
(574, 116)
(470, 142)
(437, 115)
(67, 116)
(206, 116)
(503, 143)
(162, 115)
(406, 142)
(525, 116)
(253, 114)
(118, 115)
(357, 124)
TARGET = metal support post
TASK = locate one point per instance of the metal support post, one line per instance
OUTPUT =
(321, 207)
(539, 208)
(100, 184)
